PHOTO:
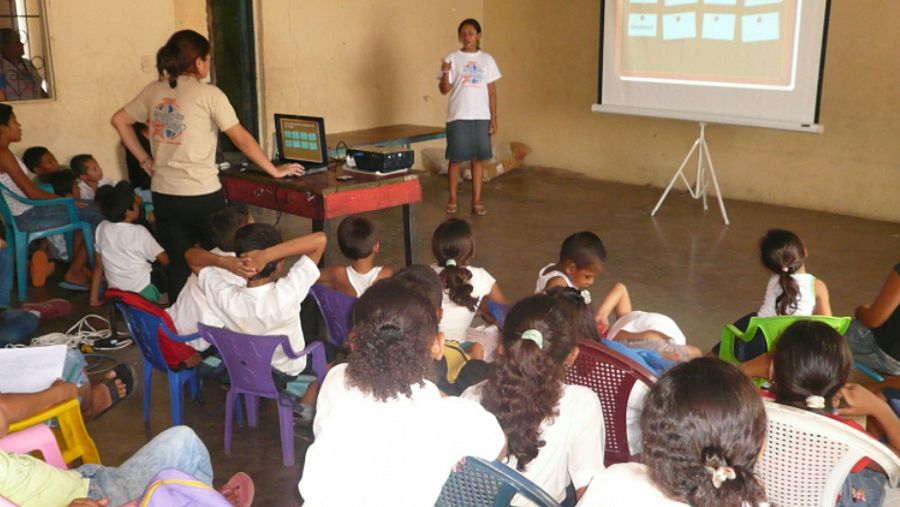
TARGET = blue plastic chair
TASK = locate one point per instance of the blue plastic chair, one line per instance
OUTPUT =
(19, 240)
(143, 328)
(477, 482)
(249, 362)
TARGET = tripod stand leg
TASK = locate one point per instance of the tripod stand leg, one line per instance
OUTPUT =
(678, 173)
(712, 172)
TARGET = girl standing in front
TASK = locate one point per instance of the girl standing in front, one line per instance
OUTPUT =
(468, 75)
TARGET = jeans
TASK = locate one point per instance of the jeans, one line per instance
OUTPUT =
(177, 447)
(40, 218)
(6, 275)
(866, 350)
(17, 326)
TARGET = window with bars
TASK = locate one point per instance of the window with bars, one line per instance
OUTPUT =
(24, 51)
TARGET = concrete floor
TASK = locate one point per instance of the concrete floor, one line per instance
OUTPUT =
(685, 263)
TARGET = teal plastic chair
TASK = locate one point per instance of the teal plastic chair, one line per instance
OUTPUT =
(19, 240)
(772, 327)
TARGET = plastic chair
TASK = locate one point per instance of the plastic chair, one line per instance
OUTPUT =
(76, 443)
(499, 312)
(35, 438)
(19, 239)
(249, 362)
(337, 310)
(477, 482)
(808, 457)
(612, 376)
(144, 329)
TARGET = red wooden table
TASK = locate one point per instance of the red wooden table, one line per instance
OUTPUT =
(321, 197)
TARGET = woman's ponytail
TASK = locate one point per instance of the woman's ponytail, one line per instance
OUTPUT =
(179, 55)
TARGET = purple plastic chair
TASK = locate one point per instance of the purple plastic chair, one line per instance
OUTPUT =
(249, 362)
(337, 310)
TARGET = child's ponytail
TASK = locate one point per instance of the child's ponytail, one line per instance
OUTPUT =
(525, 384)
(811, 363)
(453, 246)
(179, 55)
(783, 253)
(719, 483)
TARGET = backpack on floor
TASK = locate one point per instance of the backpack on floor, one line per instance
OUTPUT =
(173, 487)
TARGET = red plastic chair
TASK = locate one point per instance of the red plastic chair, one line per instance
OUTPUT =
(249, 362)
(611, 375)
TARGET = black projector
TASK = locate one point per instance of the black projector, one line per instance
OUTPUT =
(382, 159)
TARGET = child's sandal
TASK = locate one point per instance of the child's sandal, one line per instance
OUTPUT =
(478, 210)
(451, 208)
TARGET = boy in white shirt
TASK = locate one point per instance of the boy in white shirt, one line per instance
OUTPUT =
(266, 306)
(125, 251)
(90, 175)
(358, 241)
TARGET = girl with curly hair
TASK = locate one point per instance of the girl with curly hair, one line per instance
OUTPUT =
(704, 426)
(465, 287)
(380, 419)
(555, 431)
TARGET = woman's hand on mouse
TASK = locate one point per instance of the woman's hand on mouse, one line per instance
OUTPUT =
(285, 170)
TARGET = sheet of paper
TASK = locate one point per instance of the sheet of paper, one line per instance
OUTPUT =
(760, 27)
(679, 26)
(643, 1)
(718, 26)
(720, 2)
(754, 3)
(642, 25)
(30, 369)
(679, 2)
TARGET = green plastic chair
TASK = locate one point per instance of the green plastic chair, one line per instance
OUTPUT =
(772, 327)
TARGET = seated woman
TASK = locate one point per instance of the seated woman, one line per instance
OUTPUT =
(36, 218)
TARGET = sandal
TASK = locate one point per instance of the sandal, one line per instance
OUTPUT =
(50, 309)
(125, 373)
(478, 210)
(40, 268)
(239, 490)
(451, 208)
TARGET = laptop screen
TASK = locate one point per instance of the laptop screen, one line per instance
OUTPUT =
(301, 139)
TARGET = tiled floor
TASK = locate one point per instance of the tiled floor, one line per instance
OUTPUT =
(684, 263)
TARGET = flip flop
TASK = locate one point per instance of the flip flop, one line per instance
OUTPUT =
(241, 487)
(74, 286)
(40, 268)
(125, 373)
(450, 209)
(478, 210)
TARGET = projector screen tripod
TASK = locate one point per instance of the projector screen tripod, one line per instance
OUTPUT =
(706, 173)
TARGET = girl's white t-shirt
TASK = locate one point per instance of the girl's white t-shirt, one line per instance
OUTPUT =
(457, 319)
(806, 301)
(625, 485)
(398, 452)
(470, 73)
(574, 443)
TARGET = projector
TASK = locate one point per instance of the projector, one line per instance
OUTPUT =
(382, 159)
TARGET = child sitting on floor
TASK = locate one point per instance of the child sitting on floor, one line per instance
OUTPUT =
(379, 416)
(90, 175)
(466, 287)
(125, 251)
(359, 243)
(555, 431)
(266, 306)
(704, 427)
(64, 184)
(40, 162)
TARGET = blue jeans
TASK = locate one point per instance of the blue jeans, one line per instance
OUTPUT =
(177, 447)
(40, 218)
(17, 326)
(6, 275)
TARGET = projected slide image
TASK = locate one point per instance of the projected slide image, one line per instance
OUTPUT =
(726, 42)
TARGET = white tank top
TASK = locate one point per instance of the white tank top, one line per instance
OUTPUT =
(16, 207)
(545, 276)
(806, 299)
(361, 282)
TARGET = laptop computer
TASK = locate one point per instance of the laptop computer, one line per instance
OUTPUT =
(301, 139)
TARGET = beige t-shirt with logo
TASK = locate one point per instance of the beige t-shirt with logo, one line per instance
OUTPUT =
(184, 122)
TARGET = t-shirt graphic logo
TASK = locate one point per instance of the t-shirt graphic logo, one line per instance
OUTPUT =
(167, 122)
(473, 75)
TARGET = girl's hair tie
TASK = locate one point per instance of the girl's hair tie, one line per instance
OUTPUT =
(785, 269)
(815, 402)
(450, 263)
(535, 336)
(721, 474)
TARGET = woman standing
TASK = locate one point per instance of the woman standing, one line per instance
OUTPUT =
(185, 115)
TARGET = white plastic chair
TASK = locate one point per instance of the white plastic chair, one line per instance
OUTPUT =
(808, 457)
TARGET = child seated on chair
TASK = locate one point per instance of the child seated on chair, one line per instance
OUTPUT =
(40, 163)
(125, 251)
(379, 416)
(90, 175)
(581, 259)
(192, 306)
(705, 428)
(809, 370)
(358, 241)
(268, 305)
